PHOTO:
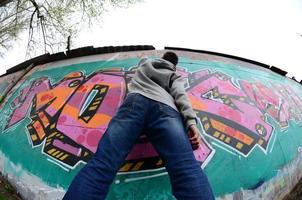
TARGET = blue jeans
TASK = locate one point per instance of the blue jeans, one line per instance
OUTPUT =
(165, 129)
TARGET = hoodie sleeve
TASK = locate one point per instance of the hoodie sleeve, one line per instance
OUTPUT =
(142, 61)
(182, 101)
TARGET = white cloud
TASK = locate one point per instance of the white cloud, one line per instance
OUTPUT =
(266, 31)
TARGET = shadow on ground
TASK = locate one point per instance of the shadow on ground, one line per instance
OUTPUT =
(7, 192)
(296, 193)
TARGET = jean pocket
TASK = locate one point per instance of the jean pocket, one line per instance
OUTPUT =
(168, 111)
(127, 106)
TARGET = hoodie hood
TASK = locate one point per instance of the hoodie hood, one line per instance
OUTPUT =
(160, 63)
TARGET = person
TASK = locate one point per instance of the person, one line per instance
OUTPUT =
(157, 105)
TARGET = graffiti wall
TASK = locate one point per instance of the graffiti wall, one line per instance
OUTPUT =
(249, 117)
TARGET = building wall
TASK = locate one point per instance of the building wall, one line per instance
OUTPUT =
(6, 82)
(249, 117)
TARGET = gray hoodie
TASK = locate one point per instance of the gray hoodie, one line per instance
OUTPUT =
(156, 79)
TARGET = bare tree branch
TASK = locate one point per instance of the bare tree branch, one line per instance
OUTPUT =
(4, 2)
(49, 22)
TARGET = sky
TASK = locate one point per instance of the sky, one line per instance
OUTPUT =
(267, 31)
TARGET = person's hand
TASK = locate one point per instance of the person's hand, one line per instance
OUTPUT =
(194, 137)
